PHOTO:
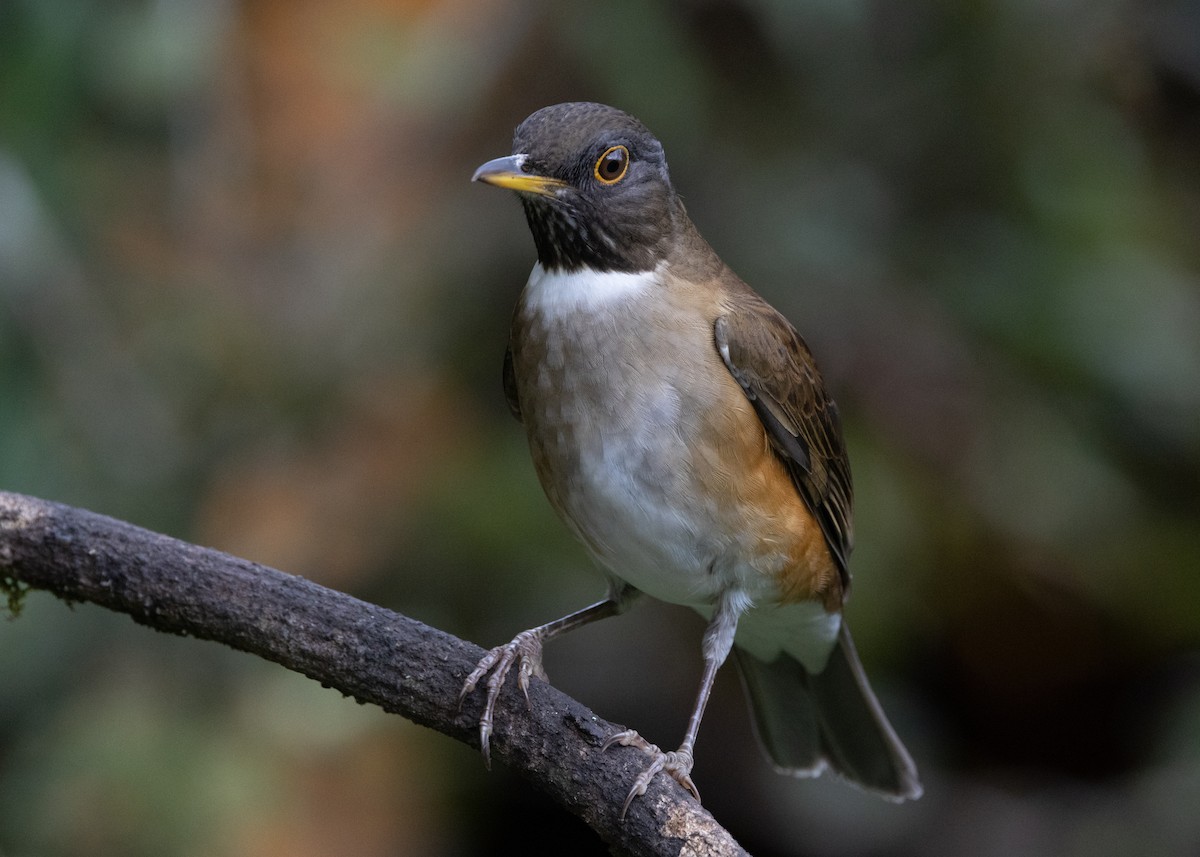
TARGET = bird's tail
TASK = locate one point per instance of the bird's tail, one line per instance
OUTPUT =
(809, 722)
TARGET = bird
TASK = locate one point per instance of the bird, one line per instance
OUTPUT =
(679, 426)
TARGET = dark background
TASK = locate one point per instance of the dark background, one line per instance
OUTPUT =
(249, 297)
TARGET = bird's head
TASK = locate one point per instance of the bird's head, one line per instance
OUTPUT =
(595, 187)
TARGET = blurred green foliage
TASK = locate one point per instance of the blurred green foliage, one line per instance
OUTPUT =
(249, 297)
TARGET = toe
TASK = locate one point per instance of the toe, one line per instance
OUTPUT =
(678, 764)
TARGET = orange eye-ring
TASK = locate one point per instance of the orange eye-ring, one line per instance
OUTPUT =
(612, 165)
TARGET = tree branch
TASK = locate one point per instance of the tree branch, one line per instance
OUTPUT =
(362, 650)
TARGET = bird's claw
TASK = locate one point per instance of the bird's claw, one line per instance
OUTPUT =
(525, 650)
(676, 763)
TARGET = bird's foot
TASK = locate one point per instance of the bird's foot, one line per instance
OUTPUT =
(677, 763)
(525, 650)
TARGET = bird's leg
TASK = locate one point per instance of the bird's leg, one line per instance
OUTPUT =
(677, 763)
(718, 640)
(525, 649)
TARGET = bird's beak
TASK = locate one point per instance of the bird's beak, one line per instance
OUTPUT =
(509, 173)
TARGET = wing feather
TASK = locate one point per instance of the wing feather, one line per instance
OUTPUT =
(779, 376)
(509, 379)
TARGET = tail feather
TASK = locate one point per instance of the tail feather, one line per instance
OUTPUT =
(809, 722)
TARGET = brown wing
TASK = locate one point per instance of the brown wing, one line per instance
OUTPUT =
(776, 370)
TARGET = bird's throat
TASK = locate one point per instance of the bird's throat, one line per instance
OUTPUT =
(556, 293)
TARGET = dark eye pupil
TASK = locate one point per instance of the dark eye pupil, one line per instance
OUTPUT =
(611, 166)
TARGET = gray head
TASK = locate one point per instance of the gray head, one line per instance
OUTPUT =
(595, 187)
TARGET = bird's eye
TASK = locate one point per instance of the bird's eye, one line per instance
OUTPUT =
(611, 166)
